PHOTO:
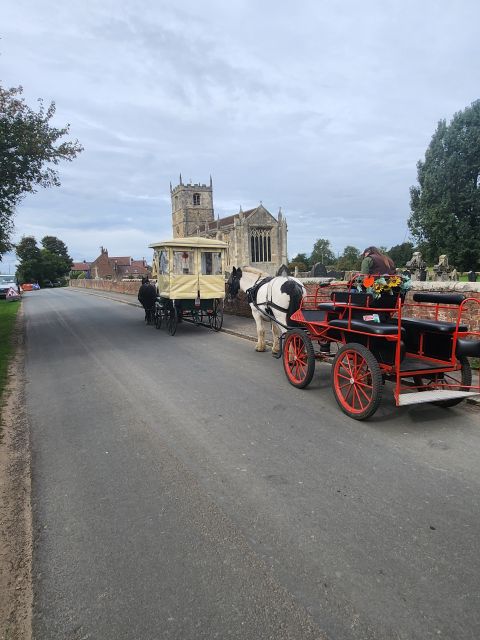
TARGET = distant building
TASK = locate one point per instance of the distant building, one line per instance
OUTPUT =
(81, 267)
(254, 237)
(117, 267)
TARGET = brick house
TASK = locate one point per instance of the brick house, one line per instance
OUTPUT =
(117, 267)
(80, 267)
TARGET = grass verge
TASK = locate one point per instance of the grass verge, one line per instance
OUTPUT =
(8, 313)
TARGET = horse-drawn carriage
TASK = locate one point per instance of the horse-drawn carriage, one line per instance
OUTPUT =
(370, 335)
(190, 281)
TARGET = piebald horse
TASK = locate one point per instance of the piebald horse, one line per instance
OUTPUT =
(272, 300)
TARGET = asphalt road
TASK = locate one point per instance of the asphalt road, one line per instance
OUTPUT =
(183, 489)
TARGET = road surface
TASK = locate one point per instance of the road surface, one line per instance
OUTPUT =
(183, 489)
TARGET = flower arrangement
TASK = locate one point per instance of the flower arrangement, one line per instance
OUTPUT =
(391, 285)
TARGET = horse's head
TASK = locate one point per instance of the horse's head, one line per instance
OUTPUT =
(233, 284)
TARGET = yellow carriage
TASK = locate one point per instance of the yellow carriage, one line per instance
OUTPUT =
(190, 276)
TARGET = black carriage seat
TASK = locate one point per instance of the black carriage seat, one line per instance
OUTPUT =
(469, 348)
(439, 298)
(368, 327)
(344, 306)
(432, 326)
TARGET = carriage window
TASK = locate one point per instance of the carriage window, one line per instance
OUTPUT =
(211, 263)
(196, 198)
(163, 262)
(183, 262)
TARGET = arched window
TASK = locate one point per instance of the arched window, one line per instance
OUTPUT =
(260, 245)
(196, 198)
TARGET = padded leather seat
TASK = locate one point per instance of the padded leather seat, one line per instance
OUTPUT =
(372, 328)
(436, 326)
(470, 348)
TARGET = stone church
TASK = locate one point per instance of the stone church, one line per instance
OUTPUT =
(254, 237)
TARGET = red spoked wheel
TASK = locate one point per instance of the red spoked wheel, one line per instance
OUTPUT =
(298, 358)
(357, 381)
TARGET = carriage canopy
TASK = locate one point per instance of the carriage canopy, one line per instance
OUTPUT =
(185, 268)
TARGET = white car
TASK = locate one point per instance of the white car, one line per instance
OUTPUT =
(7, 282)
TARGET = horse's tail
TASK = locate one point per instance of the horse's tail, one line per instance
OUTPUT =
(295, 290)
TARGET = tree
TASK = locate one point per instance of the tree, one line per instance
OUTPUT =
(445, 206)
(30, 267)
(52, 262)
(322, 252)
(301, 258)
(401, 253)
(29, 146)
(349, 260)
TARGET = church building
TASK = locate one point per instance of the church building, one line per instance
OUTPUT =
(254, 237)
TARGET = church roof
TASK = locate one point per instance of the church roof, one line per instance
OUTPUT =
(230, 220)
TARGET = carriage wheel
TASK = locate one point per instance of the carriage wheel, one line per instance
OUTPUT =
(298, 358)
(216, 318)
(172, 319)
(439, 380)
(356, 381)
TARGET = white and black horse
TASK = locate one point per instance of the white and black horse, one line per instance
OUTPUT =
(272, 300)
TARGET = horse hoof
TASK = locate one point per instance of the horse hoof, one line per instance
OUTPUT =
(259, 350)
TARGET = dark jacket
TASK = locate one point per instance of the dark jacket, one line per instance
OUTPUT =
(377, 263)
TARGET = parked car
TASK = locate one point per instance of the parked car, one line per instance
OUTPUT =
(7, 282)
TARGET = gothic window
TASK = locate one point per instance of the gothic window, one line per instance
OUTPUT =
(196, 198)
(260, 245)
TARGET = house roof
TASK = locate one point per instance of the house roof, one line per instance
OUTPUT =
(80, 266)
(121, 260)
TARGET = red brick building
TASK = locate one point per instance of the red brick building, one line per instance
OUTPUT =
(117, 267)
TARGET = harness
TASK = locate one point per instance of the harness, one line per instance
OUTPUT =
(268, 304)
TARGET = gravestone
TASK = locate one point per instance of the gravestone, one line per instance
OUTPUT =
(417, 267)
(337, 275)
(442, 269)
(472, 276)
(319, 270)
(283, 271)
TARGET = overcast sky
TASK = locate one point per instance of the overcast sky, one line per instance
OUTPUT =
(321, 108)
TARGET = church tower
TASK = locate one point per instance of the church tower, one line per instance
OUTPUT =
(192, 206)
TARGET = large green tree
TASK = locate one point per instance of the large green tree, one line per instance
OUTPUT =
(349, 260)
(29, 148)
(401, 253)
(445, 205)
(322, 252)
(51, 262)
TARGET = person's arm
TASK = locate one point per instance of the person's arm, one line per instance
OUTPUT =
(366, 265)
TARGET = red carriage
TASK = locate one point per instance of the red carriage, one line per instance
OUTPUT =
(371, 335)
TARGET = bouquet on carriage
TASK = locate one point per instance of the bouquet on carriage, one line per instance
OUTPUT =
(382, 285)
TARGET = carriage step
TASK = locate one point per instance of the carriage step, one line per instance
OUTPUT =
(419, 397)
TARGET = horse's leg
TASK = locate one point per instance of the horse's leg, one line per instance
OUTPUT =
(260, 346)
(276, 333)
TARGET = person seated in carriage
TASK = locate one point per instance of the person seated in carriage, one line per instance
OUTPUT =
(147, 294)
(375, 262)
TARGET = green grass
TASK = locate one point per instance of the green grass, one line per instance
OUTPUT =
(8, 313)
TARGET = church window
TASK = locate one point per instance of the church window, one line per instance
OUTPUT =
(196, 198)
(260, 245)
